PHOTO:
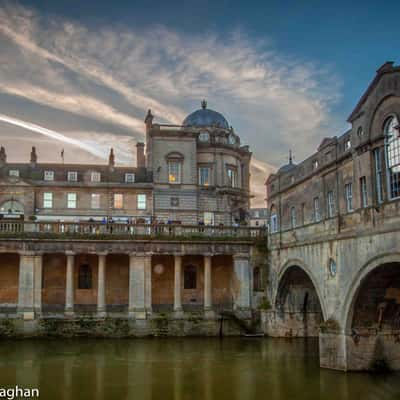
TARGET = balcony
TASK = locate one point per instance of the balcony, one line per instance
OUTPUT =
(123, 231)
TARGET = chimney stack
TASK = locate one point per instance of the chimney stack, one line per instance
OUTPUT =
(140, 157)
(33, 157)
(3, 156)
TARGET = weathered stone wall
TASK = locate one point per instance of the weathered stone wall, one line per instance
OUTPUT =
(162, 325)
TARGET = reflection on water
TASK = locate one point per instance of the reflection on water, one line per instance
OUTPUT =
(187, 368)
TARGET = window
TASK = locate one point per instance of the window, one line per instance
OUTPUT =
(257, 286)
(315, 164)
(293, 216)
(347, 144)
(72, 176)
(378, 175)
(392, 139)
(85, 277)
(360, 132)
(71, 200)
(204, 176)
(232, 177)
(303, 213)
(274, 221)
(174, 201)
(363, 192)
(47, 200)
(331, 204)
(48, 175)
(141, 202)
(13, 172)
(204, 137)
(95, 200)
(95, 177)
(317, 212)
(118, 200)
(348, 193)
(208, 218)
(174, 171)
(190, 277)
(129, 177)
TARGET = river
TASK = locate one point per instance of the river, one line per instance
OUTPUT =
(187, 368)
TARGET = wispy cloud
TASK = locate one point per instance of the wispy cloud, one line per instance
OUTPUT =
(112, 75)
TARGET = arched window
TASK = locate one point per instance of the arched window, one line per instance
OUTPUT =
(273, 220)
(85, 277)
(293, 217)
(190, 277)
(391, 131)
(257, 279)
(12, 207)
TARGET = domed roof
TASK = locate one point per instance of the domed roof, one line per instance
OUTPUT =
(289, 166)
(205, 117)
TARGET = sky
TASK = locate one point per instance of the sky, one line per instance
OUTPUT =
(80, 75)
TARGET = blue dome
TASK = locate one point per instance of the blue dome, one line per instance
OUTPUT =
(205, 117)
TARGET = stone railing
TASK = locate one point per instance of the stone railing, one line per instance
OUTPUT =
(99, 230)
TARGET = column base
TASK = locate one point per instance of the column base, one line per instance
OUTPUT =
(178, 313)
(27, 315)
(137, 314)
(209, 313)
(101, 313)
(69, 313)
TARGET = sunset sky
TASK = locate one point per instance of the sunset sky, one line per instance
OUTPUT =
(81, 75)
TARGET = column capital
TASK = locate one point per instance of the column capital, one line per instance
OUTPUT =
(241, 256)
(70, 253)
(102, 253)
(29, 253)
(140, 254)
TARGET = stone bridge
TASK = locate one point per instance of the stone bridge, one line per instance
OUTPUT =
(340, 280)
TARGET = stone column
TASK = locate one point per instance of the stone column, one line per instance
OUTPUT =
(101, 286)
(207, 287)
(148, 284)
(69, 288)
(137, 263)
(178, 284)
(29, 284)
(241, 268)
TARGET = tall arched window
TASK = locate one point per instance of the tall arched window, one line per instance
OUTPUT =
(190, 277)
(392, 139)
(273, 220)
(293, 217)
(85, 277)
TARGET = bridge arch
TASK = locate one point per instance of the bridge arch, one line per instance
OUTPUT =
(374, 293)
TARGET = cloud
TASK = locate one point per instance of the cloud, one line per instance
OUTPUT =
(113, 74)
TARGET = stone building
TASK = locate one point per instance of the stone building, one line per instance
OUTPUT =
(334, 250)
(167, 236)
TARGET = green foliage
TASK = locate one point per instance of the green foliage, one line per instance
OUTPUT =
(264, 304)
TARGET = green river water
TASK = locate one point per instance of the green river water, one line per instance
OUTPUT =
(187, 368)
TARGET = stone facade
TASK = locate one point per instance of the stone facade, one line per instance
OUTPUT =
(159, 247)
(334, 218)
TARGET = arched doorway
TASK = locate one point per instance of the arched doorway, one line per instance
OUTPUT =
(297, 305)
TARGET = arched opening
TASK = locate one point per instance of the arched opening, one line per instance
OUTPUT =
(377, 302)
(12, 209)
(373, 323)
(297, 305)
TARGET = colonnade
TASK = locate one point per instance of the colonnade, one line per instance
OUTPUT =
(140, 286)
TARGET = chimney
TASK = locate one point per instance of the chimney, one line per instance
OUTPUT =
(111, 159)
(3, 156)
(149, 120)
(140, 157)
(33, 157)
